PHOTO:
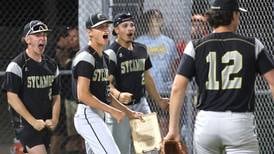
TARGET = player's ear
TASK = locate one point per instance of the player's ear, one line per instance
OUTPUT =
(89, 31)
(27, 39)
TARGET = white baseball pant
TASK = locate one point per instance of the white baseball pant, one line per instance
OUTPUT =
(225, 132)
(89, 123)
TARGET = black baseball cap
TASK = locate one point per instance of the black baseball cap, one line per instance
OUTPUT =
(35, 26)
(120, 18)
(227, 5)
(96, 20)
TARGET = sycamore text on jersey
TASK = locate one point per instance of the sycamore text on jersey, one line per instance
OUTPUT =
(40, 81)
(134, 65)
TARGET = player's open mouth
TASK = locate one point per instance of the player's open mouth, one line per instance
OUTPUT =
(41, 46)
(105, 36)
(130, 34)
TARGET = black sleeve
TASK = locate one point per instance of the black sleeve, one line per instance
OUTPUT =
(112, 67)
(12, 83)
(84, 69)
(148, 63)
(56, 85)
(264, 62)
(187, 66)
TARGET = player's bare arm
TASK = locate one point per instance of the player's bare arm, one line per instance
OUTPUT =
(16, 103)
(130, 113)
(52, 123)
(123, 97)
(269, 76)
(152, 91)
(86, 97)
(177, 95)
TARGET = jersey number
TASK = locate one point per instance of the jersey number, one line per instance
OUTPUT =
(227, 82)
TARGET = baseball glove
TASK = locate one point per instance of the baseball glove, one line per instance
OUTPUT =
(173, 147)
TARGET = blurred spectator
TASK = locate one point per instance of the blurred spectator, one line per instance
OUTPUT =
(60, 131)
(73, 38)
(199, 28)
(161, 49)
(66, 46)
(164, 57)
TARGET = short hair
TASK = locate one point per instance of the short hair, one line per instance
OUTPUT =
(219, 18)
(148, 15)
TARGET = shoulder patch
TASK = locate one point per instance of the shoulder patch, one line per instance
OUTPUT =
(83, 56)
(15, 69)
(111, 54)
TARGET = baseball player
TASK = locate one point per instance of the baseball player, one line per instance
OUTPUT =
(129, 70)
(91, 89)
(32, 86)
(225, 66)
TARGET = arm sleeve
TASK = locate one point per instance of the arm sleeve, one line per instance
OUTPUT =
(264, 61)
(187, 63)
(148, 63)
(83, 65)
(112, 64)
(12, 83)
(56, 86)
(84, 69)
(13, 78)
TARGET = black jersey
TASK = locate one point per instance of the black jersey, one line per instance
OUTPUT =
(34, 82)
(87, 63)
(128, 67)
(225, 66)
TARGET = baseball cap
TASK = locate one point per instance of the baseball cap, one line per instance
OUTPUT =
(96, 20)
(35, 26)
(227, 5)
(120, 18)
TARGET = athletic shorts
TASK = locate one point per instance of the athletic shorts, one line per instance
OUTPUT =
(29, 137)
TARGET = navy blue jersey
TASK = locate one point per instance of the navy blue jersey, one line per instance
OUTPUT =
(225, 66)
(87, 63)
(34, 82)
(128, 67)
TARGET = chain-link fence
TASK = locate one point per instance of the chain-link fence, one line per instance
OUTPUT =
(181, 20)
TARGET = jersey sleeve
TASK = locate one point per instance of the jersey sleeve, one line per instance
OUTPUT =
(56, 86)
(112, 64)
(13, 78)
(264, 61)
(187, 63)
(83, 65)
(148, 63)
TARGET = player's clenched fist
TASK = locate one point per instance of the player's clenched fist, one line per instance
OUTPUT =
(118, 115)
(38, 124)
(125, 97)
(164, 103)
(51, 124)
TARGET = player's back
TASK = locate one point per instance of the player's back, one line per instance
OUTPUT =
(225, 68)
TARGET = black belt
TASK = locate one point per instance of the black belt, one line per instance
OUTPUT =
(134, 101)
